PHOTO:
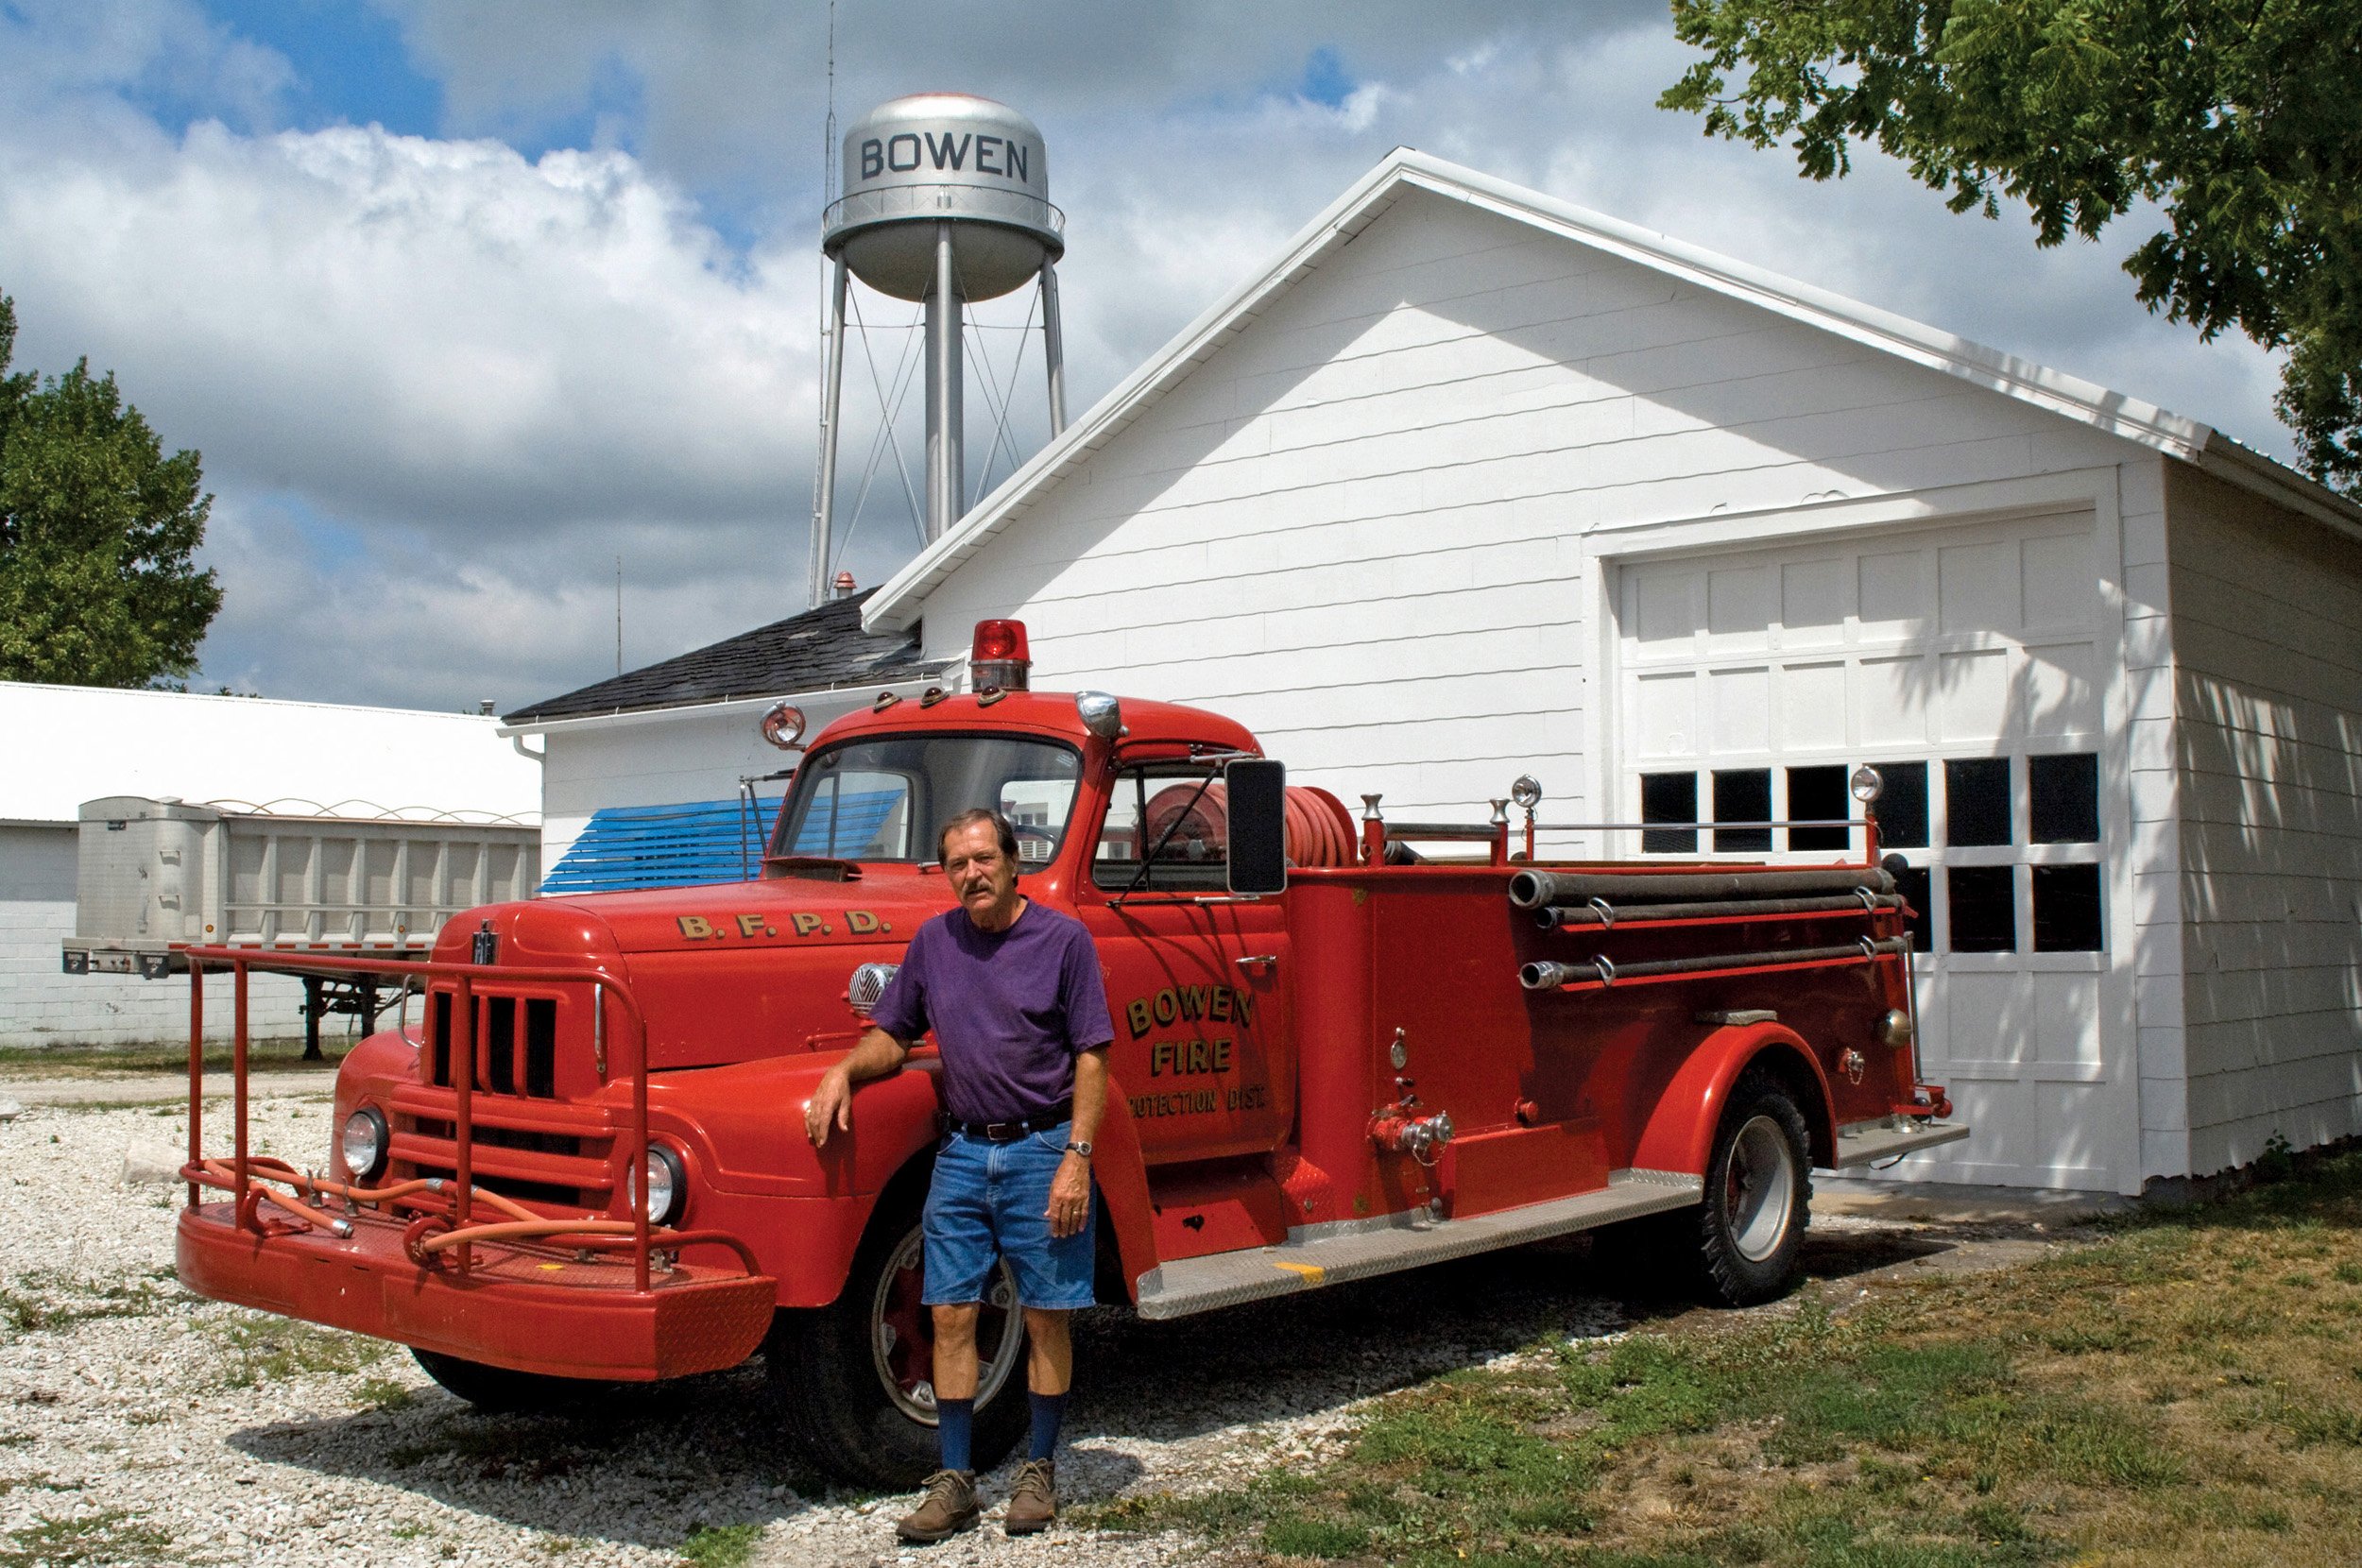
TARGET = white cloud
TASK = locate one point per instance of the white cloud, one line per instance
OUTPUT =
(439, 386)
(421, 329)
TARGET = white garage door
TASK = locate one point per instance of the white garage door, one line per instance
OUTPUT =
(1966, 664)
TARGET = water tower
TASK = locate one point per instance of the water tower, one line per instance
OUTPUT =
(947, 200)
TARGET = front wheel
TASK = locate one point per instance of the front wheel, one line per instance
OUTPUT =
(1758, 1197)
(854, 1380)
(498, 1390)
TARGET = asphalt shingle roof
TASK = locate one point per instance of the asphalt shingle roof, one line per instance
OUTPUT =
(810, 652)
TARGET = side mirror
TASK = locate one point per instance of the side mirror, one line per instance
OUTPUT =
(1257, 791)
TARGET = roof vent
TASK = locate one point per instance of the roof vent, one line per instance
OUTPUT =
(844, 586)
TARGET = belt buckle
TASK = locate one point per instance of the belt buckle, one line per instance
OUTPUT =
(1004, 1132)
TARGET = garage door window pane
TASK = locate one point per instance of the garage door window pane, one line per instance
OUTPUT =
(2067, 909)
(1901, 808)
(1818, 794)
(1912, 882)
(1983, 909)
(2065, 795)
(1742, 794)
(1668, 798)
(1977, 801)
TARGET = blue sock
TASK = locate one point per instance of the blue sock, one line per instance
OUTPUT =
(955, 1420)
(1049, 1410)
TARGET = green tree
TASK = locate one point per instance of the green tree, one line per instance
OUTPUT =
(96, 530)
(2241, 121)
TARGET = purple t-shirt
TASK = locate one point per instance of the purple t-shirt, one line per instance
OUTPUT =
(1010, 1009)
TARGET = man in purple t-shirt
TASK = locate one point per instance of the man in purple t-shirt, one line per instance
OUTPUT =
(1013, 994)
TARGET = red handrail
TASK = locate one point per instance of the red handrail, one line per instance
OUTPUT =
(603, 981)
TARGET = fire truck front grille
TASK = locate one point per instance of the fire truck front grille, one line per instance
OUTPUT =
(514, 1060)
(499, 1137)
(564, 1169)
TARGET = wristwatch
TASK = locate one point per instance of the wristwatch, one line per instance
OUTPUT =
(1080, 1146)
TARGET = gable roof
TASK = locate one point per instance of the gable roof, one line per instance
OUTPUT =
(812, 651)
(899, 601)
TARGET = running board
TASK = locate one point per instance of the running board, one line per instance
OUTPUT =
(1883, 1139)
(1306, 1262)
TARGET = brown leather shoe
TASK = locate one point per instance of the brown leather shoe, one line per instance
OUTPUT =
(1032, 1498)
(948, 1507)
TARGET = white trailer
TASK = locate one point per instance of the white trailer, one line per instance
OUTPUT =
(153, 875)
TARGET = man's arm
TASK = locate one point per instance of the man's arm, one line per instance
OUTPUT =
(1091, 1092)
(832, 1103)
(1070, 1189)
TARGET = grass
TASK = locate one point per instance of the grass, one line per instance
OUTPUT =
(101, 1540)
(721, 1545)
(20, 1064)
(260, 1349)
(2186, 1391)
(382, 1393)
(45, 1300)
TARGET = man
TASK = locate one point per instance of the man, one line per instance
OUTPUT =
(1020, 1013)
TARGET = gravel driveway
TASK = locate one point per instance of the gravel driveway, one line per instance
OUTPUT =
(139, 1424)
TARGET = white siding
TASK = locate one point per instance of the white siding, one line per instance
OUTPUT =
(1357, 525)
(2266, 645)
(42, 1005)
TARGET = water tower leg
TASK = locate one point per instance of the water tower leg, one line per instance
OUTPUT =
(831, 396)
(947, 470)
(1053, 347)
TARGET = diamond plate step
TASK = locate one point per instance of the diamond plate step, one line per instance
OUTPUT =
(1865, 1141)
(1306, 1262)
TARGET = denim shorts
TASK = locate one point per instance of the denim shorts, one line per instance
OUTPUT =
(993, 1199)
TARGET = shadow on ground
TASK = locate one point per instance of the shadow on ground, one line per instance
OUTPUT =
(643, 1466)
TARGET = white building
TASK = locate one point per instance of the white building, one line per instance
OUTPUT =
(659, 776)
(72, 743)
(1469, 482)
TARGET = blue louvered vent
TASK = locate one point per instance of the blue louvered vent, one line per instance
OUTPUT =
(662, 847)
(847, 826)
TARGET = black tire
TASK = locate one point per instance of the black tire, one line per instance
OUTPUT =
(830, 1366)
(1751, 1228)
(1741, 1246)
(497, 1391)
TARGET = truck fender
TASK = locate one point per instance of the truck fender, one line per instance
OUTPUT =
(1679, 1133)
(1121, 1176)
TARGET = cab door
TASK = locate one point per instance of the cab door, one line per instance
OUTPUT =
(1194, 974)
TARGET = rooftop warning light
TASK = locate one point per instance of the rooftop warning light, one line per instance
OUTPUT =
(998, 656)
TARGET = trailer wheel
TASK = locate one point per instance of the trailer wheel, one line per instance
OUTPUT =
(498, 1390)
(854, 1380)
(1759, 1196)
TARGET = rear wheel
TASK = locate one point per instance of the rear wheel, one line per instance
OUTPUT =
(500, 1391)
(1744, 1244)
(855, 1380)
(1759, 1196)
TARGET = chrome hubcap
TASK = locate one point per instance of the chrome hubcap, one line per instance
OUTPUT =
(901, 1334)
(1759, 1192)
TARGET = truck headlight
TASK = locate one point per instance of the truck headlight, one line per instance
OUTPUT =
(668, 1186)
(361, 1143)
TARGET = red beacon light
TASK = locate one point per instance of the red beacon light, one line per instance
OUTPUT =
(997, 657)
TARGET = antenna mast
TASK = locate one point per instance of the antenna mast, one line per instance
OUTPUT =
(831, 345)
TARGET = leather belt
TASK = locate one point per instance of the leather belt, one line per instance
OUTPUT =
(1009, 1132)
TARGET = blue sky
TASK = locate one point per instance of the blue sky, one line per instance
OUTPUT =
(463, 298)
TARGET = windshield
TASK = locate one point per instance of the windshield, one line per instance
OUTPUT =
(887, 800)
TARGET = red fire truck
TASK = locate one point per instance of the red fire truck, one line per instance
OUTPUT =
(1342, 1048)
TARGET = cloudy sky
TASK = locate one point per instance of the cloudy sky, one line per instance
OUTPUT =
(463, 299)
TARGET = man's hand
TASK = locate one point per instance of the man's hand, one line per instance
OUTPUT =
(831, 1107)
(1070, 1194)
